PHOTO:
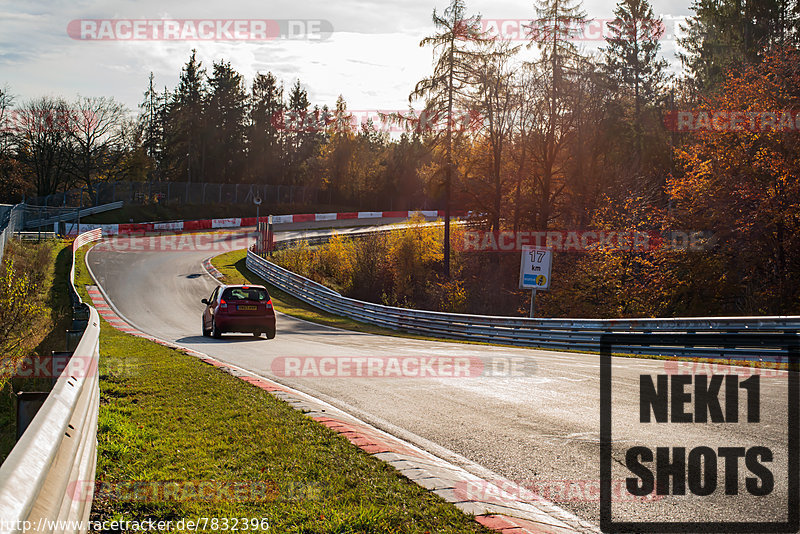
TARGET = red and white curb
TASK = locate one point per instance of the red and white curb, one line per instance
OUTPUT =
(210, 269)
(498, 510)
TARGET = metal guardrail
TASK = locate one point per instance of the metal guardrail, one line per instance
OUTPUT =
(48, 478)
(558, 334)
(70, 215)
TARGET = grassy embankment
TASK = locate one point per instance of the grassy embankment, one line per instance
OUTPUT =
(46, 264)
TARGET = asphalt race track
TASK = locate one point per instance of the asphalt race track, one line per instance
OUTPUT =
(540, 427)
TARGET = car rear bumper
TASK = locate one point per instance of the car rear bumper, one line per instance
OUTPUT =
(245, 324)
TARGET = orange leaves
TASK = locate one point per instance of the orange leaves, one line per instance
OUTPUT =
(745, 185)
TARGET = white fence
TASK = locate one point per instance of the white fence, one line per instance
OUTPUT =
(9, 227)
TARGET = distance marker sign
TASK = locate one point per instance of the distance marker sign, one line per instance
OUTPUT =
(534, 269)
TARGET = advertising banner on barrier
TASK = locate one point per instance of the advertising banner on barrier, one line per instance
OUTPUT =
(226, 223)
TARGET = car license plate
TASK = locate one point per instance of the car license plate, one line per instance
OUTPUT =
(247, 308)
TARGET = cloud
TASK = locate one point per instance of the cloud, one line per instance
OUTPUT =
(373, 57)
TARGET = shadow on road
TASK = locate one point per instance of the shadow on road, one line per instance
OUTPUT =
(243, 338)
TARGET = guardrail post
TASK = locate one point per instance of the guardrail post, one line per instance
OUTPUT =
(73, 337)
(28, 404)
(80, 313)
(58, 360)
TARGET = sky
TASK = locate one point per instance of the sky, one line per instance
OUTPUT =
(367, 51)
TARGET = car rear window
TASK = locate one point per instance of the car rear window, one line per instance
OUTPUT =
(251, 293)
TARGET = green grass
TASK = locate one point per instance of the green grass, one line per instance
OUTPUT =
(166, 416)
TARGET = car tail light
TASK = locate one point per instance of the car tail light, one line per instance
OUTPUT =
(269, 304)
(223, 304)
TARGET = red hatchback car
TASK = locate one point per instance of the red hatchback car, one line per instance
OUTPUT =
(239, 309)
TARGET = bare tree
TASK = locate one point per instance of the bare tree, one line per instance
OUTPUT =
(495, 106)
(6, 121)
(524, 121)
(559, 59)
(43, 142)
(96, 131)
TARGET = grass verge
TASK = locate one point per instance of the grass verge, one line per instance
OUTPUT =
(165, 416)
(234, 269)
(47, 263)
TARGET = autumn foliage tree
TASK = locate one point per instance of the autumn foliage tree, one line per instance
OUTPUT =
(744, 185)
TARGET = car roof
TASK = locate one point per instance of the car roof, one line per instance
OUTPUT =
(256, 286)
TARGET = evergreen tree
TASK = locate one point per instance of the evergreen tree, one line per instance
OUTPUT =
(338, 152)
(553, 33)
(265, 140)
(186, 121)
(631, 58)
(725, 34)
(300, 127)
(151, 119)
(225, 116)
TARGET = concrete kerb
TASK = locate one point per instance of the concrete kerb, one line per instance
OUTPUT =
(418, 465)
(211, 270)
